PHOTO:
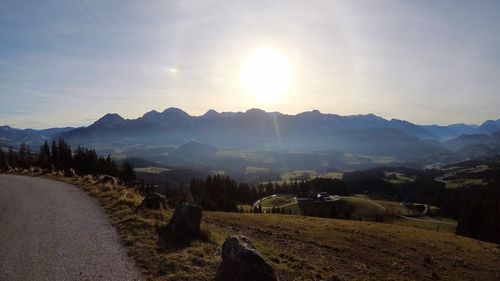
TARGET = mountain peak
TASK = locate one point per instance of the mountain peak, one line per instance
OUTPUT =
(210, 114)
(255, 111)
(489, 127)
(314, 112)
(150, 113)
(109, 120)
(174, 111)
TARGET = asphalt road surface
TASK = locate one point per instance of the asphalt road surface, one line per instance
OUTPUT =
(54, 231)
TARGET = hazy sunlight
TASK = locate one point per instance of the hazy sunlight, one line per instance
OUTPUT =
(265, 74)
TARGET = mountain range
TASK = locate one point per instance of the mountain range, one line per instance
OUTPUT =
(161, 135)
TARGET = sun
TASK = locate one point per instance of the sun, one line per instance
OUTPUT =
(265, 74)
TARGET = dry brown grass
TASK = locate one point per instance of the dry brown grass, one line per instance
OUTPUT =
(300, 248)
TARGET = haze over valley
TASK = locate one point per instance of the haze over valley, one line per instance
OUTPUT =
(280, 140)
(234, 142)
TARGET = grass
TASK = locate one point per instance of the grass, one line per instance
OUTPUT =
(395, 207)
(461, 182)
(278, 200)
(298, 175)
(397, 178)
(151, 170)
(435, 224)
(363, 207)
(300, 248)
(253, 170)
(332, 175)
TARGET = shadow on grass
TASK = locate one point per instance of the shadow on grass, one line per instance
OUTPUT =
(169, 242)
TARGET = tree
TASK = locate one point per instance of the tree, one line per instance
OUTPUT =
(65, 155)
(11, 158)
(44, 157)
(3, 160)
(54, 156)
(348, 212)
(22, 156)
(127, 172)
(333, 213)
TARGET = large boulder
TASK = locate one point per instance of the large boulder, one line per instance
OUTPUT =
(185, 222)
(154, 201)
(242, 262)
(106, 179)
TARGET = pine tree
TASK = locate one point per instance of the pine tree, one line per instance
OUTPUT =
(54, 156)
(65, 156)
(127, 173)
(11, 158)
(3, 160)
(44, 157)
(333, 212)
(22, 156)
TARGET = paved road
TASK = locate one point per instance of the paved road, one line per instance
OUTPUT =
(53, 231)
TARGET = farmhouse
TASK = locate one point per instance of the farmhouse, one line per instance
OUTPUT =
(309, 197)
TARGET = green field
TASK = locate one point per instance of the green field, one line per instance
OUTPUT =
(397, 178)
(253, 170)
(299, 175)
(450, 180)
(435, 224)
(356, 207)
(278, 200)
(151, 170)
(461, 182)
(359, 207)
(286, 203)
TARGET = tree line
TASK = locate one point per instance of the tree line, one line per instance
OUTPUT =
(220, 193)
(58, 156)
(476, 209)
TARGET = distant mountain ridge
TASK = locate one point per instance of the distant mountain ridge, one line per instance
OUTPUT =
(256, 129)
(175, 118)
(12, 136)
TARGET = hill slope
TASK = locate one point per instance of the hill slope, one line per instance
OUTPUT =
(300, 248)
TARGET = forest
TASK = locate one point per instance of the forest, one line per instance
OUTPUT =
(475, 208)
(58, 156)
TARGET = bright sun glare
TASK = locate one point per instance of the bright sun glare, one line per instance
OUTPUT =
(265, 74)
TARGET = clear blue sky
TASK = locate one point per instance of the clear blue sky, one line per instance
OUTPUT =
(69, 62)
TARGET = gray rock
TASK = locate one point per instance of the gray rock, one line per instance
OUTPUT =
(106, 179)
(70, 173)
(185, 222)
(242, 262)
(154, 201)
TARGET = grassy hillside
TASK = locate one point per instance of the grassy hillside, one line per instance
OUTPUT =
(362, 206)
(300, 248)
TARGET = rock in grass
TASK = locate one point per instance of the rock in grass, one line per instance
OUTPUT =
(106, 179)
(154, 201)
(70, 173)
(242, 262)
(185, 222)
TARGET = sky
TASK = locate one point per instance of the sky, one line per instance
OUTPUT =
(67, 63)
